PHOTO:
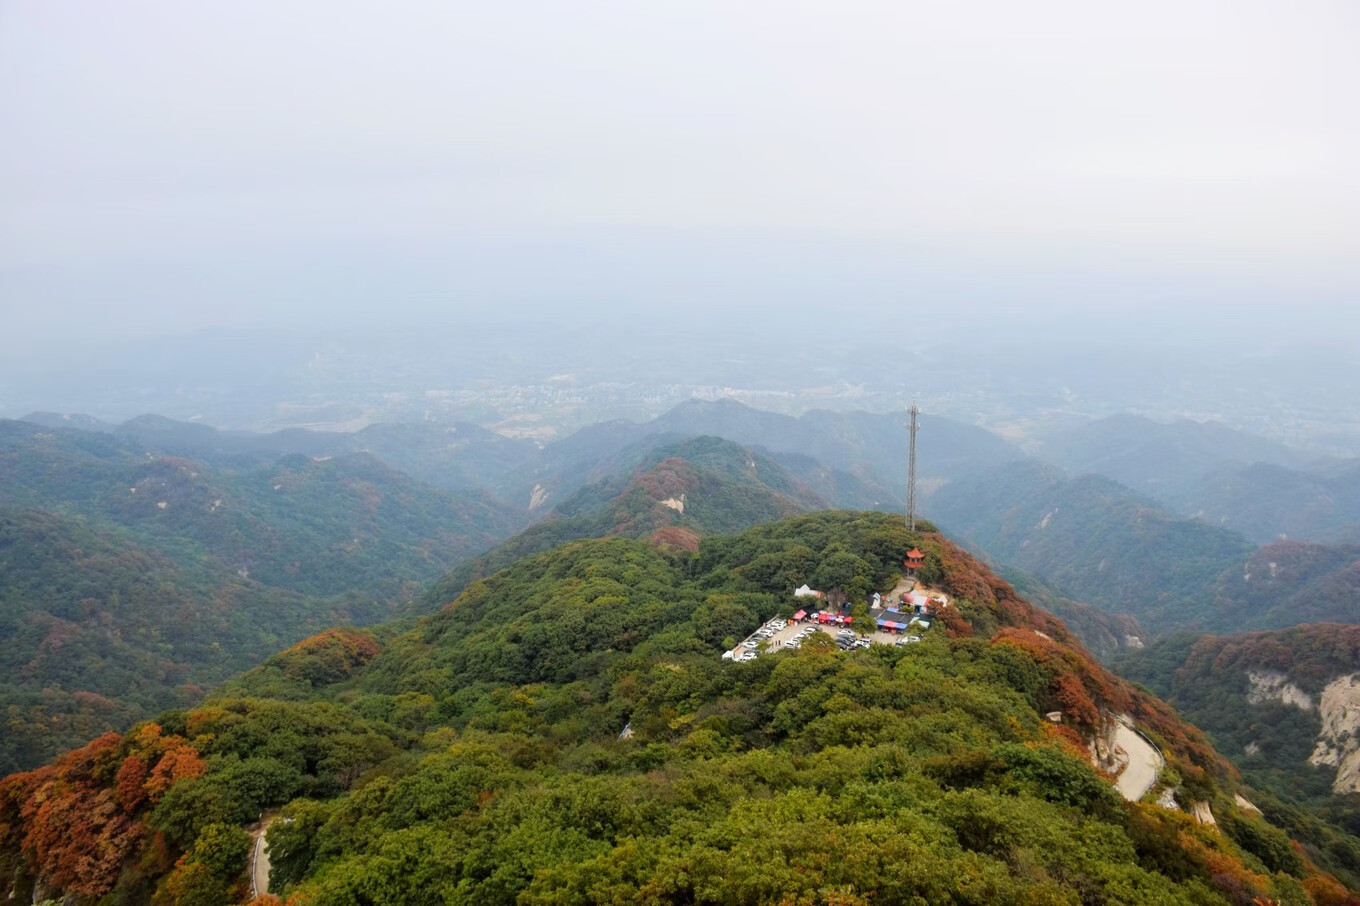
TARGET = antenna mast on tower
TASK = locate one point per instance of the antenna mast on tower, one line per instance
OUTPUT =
(911, 471)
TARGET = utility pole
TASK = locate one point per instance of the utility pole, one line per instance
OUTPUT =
(911, 471)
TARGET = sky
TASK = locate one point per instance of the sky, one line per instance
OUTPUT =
(169, 167)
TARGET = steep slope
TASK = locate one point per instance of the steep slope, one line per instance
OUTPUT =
(1283, 705)
(96, 631)
(1105, 634)
(1265, 697)
(566, 732)
(1094, 541)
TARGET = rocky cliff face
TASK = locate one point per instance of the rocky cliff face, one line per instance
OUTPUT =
(1338, 745)
(1271, 685)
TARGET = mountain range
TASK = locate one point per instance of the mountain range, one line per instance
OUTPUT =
(566, 731)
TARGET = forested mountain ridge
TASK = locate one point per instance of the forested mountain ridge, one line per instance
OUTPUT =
(820, 447)
(1097, 541)
(565, 731)
(672, 492)
(130, 580)
(1232, 479)
(314, 525)
(458, 456)
(1268, 502)
(1288, 583)
(1160, 459)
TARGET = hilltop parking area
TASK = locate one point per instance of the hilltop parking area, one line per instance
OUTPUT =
(777, 637)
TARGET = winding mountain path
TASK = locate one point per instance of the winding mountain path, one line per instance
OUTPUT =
(1145, 763)
(259, 861)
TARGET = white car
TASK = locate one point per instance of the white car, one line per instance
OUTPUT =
(747, 656)
(751, 643)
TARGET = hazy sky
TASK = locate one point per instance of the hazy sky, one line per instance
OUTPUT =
(168, 166)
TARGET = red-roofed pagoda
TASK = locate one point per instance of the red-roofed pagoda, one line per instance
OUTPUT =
(915, 559)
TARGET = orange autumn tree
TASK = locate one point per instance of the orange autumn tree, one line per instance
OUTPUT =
(76, 820)
(77, 835)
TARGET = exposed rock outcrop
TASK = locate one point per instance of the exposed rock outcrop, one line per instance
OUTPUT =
(1270, 685)
(1338, 746)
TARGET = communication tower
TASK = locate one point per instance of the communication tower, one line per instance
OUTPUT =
(911, 471)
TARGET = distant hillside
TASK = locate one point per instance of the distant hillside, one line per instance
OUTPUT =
(849, 458)
(1161, 460)
(320, 526)
(1290, 582)
(1265, 502)
(1097, 541)
(459, 456)
(674, 493)
(566, 732)
(132, 579)
(1225, 477)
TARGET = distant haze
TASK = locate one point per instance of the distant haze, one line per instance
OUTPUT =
(1144, 169)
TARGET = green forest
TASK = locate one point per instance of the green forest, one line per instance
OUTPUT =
(566, 732)
(135, 581)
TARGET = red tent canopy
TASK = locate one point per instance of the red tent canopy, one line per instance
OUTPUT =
(800, 615)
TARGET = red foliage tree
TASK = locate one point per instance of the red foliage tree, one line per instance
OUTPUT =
(76, 834)
(180, 762)
(131, 782)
